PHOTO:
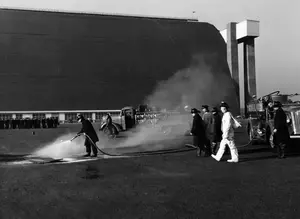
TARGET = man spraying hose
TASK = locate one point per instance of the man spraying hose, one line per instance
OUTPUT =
(88, 129)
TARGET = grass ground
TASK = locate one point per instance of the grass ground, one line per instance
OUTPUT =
(165, 186)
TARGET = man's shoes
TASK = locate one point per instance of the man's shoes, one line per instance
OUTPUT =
(207, 154)
(198, 152)
(94, 155)
(215, 157)
(232, 161)
(87, 155)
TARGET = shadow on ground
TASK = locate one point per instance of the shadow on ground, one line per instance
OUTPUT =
(12, 157)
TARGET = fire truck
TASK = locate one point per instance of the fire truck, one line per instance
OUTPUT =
(261, 117)
(131, 117)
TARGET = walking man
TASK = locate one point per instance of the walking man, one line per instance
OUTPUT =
(227, 136)
(198, 131)
(207, 119)
(216, 130)
(281, 132)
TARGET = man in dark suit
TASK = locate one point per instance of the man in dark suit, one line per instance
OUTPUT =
(281, 132)
(198, 131)
(207, 119)
(216, 130)
(88, 130)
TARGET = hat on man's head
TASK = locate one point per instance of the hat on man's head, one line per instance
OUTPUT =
(214, 110)
(194, 110)
(186, 107)
(204, 107)
(223, 104)
(80, 116)
(277, 104)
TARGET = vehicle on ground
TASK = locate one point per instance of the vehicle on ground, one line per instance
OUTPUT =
(261, 122)
(165, 121)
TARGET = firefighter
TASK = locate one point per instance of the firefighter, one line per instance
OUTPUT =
(18, 122)
(48, 123)
(227, 136)
(44, 123)
(8, 124)
(216, 130)
(207, 119)
(270, 109)
(14, 123)
(56, 122)
(109, 125)
(88, 129)
(22, 123)
(30, 123)
(198, 131)
(1, 123)
(280, 132)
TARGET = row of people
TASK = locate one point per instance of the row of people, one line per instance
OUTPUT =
(28, 123)
(214, 132)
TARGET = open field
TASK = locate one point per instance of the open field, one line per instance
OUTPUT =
(177, 185)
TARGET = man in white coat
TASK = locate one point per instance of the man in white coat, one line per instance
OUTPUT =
(227, 136)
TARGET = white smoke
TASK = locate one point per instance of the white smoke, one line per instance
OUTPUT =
(61, 147)
(199, 84)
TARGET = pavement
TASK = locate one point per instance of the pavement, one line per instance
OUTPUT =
(178, 185)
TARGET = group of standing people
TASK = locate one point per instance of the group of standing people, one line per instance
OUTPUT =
(212, 132)
(29, 123)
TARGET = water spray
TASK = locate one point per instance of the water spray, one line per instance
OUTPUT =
(76, 136)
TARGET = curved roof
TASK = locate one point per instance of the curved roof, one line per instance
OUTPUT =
(97, 13)
(54, 61)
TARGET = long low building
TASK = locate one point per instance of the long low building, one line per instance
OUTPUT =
(68, 61)
(62, 115)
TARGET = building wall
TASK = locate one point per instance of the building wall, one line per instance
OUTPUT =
(55, 61)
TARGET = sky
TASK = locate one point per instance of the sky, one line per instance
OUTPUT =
(277, 48)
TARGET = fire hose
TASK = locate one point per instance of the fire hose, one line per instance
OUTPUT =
(145, 153)
(136, 154)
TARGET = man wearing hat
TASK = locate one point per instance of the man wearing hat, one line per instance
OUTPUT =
(216, 130)
(88, 130)
(227, 136)
(109, 124)
(280, 132)
(207, 119)
(198, 131)
(270, 110)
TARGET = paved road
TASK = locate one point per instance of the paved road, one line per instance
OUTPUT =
(167, 186)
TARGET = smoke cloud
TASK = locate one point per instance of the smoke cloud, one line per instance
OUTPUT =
(62, 147)
(203, 82)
